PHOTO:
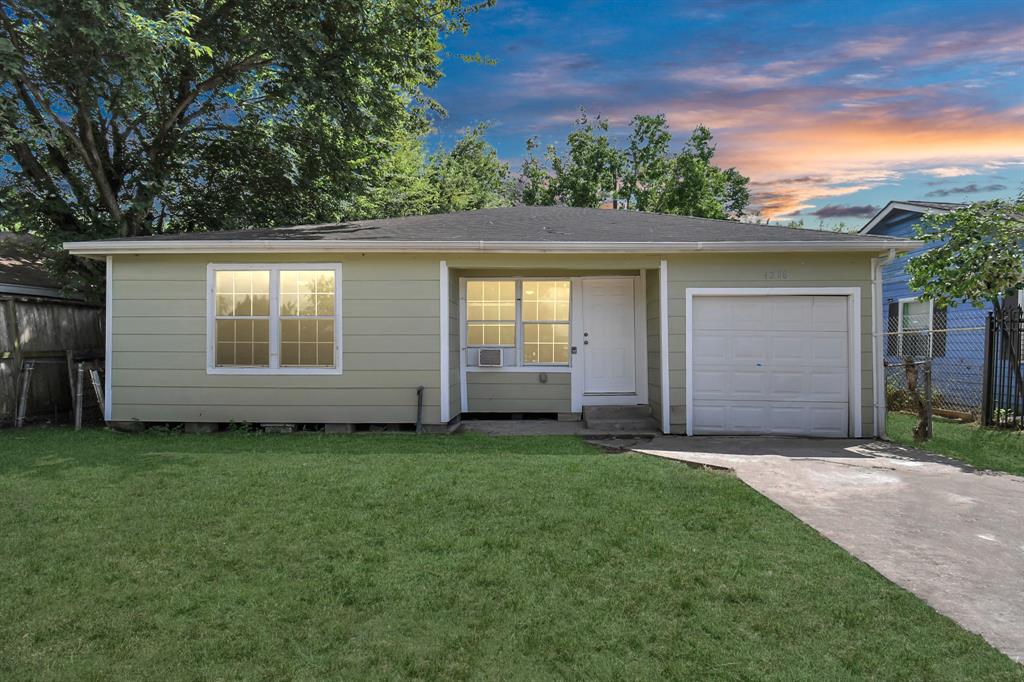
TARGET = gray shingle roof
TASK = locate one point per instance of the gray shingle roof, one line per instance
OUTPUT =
(533, 224)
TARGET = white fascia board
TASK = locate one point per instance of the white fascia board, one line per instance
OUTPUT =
(897, 206)
(263, 246)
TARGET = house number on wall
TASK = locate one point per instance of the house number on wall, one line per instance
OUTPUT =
(776, 274)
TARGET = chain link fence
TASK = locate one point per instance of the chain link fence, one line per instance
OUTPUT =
(915, 333)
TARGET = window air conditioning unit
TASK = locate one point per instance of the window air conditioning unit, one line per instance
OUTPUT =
(489, 357)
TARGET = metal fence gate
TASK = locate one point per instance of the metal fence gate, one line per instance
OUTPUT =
(1003, 390)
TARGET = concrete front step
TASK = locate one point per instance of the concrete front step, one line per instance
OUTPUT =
(620, 418)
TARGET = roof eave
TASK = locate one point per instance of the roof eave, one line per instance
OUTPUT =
(98, 249)
(897, 206)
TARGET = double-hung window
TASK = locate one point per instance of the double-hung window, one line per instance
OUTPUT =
(281, 318)
(915, 327)
(546, 322)
(491, 312)
(530, 317)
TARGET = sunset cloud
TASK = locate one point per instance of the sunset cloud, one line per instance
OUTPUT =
(947, 171)
(966, 189)
(826, 108)
(845, 211)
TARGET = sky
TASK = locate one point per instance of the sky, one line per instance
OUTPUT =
(831, 107)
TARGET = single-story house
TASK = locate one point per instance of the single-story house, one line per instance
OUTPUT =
(720, 327)
(952, 337)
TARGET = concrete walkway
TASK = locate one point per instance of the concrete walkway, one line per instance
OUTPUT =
(951, 535)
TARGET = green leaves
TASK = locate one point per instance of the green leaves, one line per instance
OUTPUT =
(978, 258)
(644, 175)
(130, 117)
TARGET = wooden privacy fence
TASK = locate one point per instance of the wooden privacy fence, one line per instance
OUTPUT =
(44, 331)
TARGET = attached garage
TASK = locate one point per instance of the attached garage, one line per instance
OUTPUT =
(773, 361)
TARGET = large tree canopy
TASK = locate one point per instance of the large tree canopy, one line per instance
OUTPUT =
(126, 117)
(643, 175)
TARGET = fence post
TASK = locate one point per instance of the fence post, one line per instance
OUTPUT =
(927, 399)
(988, 366)
(79, 397)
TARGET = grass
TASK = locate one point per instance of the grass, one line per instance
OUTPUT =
(238, 556)
(982, 448)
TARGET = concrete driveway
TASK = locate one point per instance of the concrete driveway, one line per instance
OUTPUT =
(951, 535)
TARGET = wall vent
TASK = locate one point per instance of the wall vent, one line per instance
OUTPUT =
(489, 357)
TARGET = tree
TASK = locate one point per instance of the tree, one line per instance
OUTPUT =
(592, 167)
(644, 176)
(470, 176)
(536, 187)
(647, 157)
(979, 256)
(131, 116)
(694, 186)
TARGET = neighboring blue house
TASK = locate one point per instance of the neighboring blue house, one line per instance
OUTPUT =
(954, 338)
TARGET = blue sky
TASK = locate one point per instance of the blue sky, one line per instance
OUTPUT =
(831, 108)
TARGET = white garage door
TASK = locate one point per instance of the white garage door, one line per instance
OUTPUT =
(770, 365)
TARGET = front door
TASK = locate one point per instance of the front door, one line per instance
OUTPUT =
(609, 336)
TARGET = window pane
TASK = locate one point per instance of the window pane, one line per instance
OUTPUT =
(307, 343)
(546, 344)
(546, 300)
(225, 354)
(242, 293)
(261, 354)
(325, 304)
(242, 343)
(261, 304)
(916, 315)
(307, 292)
(507, 334)
(325, 331)
(491, 334)
(493, 300)
(289, 354)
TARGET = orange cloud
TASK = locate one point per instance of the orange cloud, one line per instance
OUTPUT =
(841, 153)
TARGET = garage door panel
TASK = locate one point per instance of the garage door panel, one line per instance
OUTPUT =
(829, 350)
(711, 383)
(787, 348)
(829, 313)
(745, 347)
(714, 347)
(782, 367)
(749, 385)
(780, 419)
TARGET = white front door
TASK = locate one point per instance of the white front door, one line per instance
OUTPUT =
(609, 346)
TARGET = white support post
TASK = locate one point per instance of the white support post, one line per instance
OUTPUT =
(108, 334)
(666, 401)
(445, 312)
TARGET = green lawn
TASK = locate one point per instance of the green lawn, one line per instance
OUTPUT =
(982, 448)
(239, 556)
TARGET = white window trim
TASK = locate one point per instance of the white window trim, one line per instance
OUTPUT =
(521, 365)
(899, 323)
(275, 341)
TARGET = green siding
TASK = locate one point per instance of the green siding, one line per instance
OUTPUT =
(518, 392)
(390, 345)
